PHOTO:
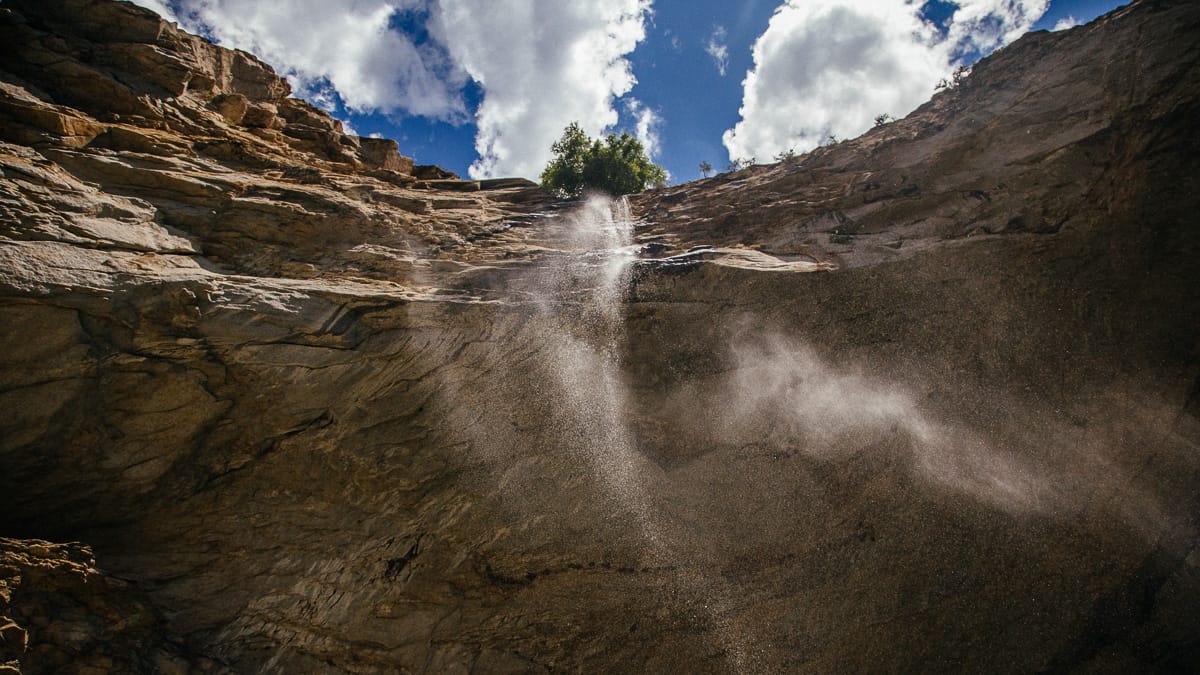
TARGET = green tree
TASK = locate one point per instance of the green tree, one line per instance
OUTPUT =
(617, 165)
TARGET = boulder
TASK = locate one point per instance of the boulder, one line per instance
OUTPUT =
(383, 153)
(233, 107)
(263, 115)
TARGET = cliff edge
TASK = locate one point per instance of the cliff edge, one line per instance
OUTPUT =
(926, 400)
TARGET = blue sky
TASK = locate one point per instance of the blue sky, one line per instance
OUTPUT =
(482, 87)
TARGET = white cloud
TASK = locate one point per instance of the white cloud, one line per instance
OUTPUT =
(344, 44)
(647, 124)
(673, 40)
(829, 67)
(159, 6)
(1065, 23)
(983, 25)
(322, 95)
(542, 64)
(348, 128)
(717, 50)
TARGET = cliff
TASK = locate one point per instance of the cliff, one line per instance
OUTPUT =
(925, 400)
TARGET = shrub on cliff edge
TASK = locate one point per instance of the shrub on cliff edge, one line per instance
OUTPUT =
(617, 165)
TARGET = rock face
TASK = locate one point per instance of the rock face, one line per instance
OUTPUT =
(927, 400)
(59, 614)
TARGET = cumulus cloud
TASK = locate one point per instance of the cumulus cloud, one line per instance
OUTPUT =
(542, 64)
(347, 46)
(828, 68)
(647, 124)
(717, 49)
(1065, 23)
(979, 26)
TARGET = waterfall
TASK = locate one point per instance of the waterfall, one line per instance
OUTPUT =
(583, 297)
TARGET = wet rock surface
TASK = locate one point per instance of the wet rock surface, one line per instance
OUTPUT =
(924, 401)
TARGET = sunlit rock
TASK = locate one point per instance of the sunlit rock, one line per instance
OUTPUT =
(921, 401)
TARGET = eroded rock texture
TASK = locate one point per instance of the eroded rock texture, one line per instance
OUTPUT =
(58, 613)
(923, 401)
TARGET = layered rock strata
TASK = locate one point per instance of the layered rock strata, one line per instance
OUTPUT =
(926, 400)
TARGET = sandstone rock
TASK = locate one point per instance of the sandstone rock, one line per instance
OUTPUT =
(431, 172)
(264, 115)
(383, 153)
(124, 23)
(29, 121)
(320, 419)
(505, 183)
(297, 112)
(450, 185)
(122, 53)
(936, 176)
(233, 107)
(58, 612)
(134, 139)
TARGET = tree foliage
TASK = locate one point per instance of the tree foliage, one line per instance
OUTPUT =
(617, 165)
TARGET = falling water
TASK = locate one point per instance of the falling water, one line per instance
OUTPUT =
(583, 296)
(776, 393)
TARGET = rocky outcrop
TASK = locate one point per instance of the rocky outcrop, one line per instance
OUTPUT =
(58, 613)
(925, 400)
(983, 158)
(121, 70)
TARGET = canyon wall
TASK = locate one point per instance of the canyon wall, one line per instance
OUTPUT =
(925, 400)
